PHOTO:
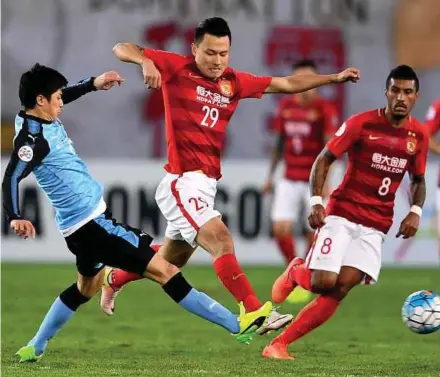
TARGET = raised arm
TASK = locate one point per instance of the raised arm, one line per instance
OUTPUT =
(131, 53)
(103, 82)
(300, 83)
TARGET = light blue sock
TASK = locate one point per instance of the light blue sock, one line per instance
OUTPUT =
(204, 306)
(56, 317)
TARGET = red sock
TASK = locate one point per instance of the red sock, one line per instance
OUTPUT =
(287, 247)
(302, 276)
(312, 316)
(121, 277)
(235, 281)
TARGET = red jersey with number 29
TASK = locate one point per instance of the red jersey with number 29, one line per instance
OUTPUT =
(198, 110)
(379, 155)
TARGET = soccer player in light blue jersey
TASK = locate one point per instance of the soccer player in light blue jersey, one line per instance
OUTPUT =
(41, 146)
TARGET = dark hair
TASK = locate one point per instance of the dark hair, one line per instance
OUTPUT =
(216, 26)
(39, 80)
(403, 72)
(305, 63)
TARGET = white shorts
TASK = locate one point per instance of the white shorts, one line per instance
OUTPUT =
(187, 203)
(289, 198)
(343, 243)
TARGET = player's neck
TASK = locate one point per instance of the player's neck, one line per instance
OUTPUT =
(394, 122)
(39, 114)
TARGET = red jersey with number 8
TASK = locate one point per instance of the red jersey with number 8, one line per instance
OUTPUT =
(379, 155)
(198, 110)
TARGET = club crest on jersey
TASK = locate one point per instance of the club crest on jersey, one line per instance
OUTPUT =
(25, 153)
(226, 88)
(411, 144)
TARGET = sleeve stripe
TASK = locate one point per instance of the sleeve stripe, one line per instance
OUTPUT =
(19, 169)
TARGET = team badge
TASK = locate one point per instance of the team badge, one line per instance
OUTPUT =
(25, 153)
(226, 88)
(411, 143)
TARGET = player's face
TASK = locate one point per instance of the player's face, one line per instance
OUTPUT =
(212, 55)
(401, 96)
(309, 94)
(51, 108)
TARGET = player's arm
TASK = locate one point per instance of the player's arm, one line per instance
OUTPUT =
(132, 53)
(345, 137)
(29, 151)
(410, 224)
(434, 145)
(276, 155)
(103, 82)
(301, 83)
(318, 178)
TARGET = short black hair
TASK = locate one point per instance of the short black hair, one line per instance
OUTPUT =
(305, 63)
(403, 72)
(216, 26)
(39, 80)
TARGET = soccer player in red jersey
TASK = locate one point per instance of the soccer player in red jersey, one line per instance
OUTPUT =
(382, 145)
(433, 125)
(201, 94)
(304, 123)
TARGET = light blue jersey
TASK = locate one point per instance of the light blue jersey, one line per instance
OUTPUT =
(43, 147)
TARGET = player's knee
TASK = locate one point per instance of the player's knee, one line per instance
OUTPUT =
(323, 281)
(73, 298)
(166, 272)
(89, 286)
(341, 291)
(179, 260)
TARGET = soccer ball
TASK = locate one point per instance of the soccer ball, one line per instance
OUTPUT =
(421, 312)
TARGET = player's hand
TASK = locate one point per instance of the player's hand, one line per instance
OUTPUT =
(152, 76)
(107, 80)
(409, 226)
(350, 74)
(268, 187)
(317, 216)
(23, 228)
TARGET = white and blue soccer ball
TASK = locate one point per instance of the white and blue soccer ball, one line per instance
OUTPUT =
(421, 312)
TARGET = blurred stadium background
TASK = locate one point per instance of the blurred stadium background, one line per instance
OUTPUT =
(121, 135)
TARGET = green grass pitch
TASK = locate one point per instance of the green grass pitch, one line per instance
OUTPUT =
(151, 336)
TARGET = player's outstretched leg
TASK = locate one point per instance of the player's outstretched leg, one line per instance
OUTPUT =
(316, 312)
(114, 280)
(63, 308)
(215, 238)
(177, 287)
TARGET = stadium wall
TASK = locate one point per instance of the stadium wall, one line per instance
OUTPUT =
(268, 36)
(129, 192)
